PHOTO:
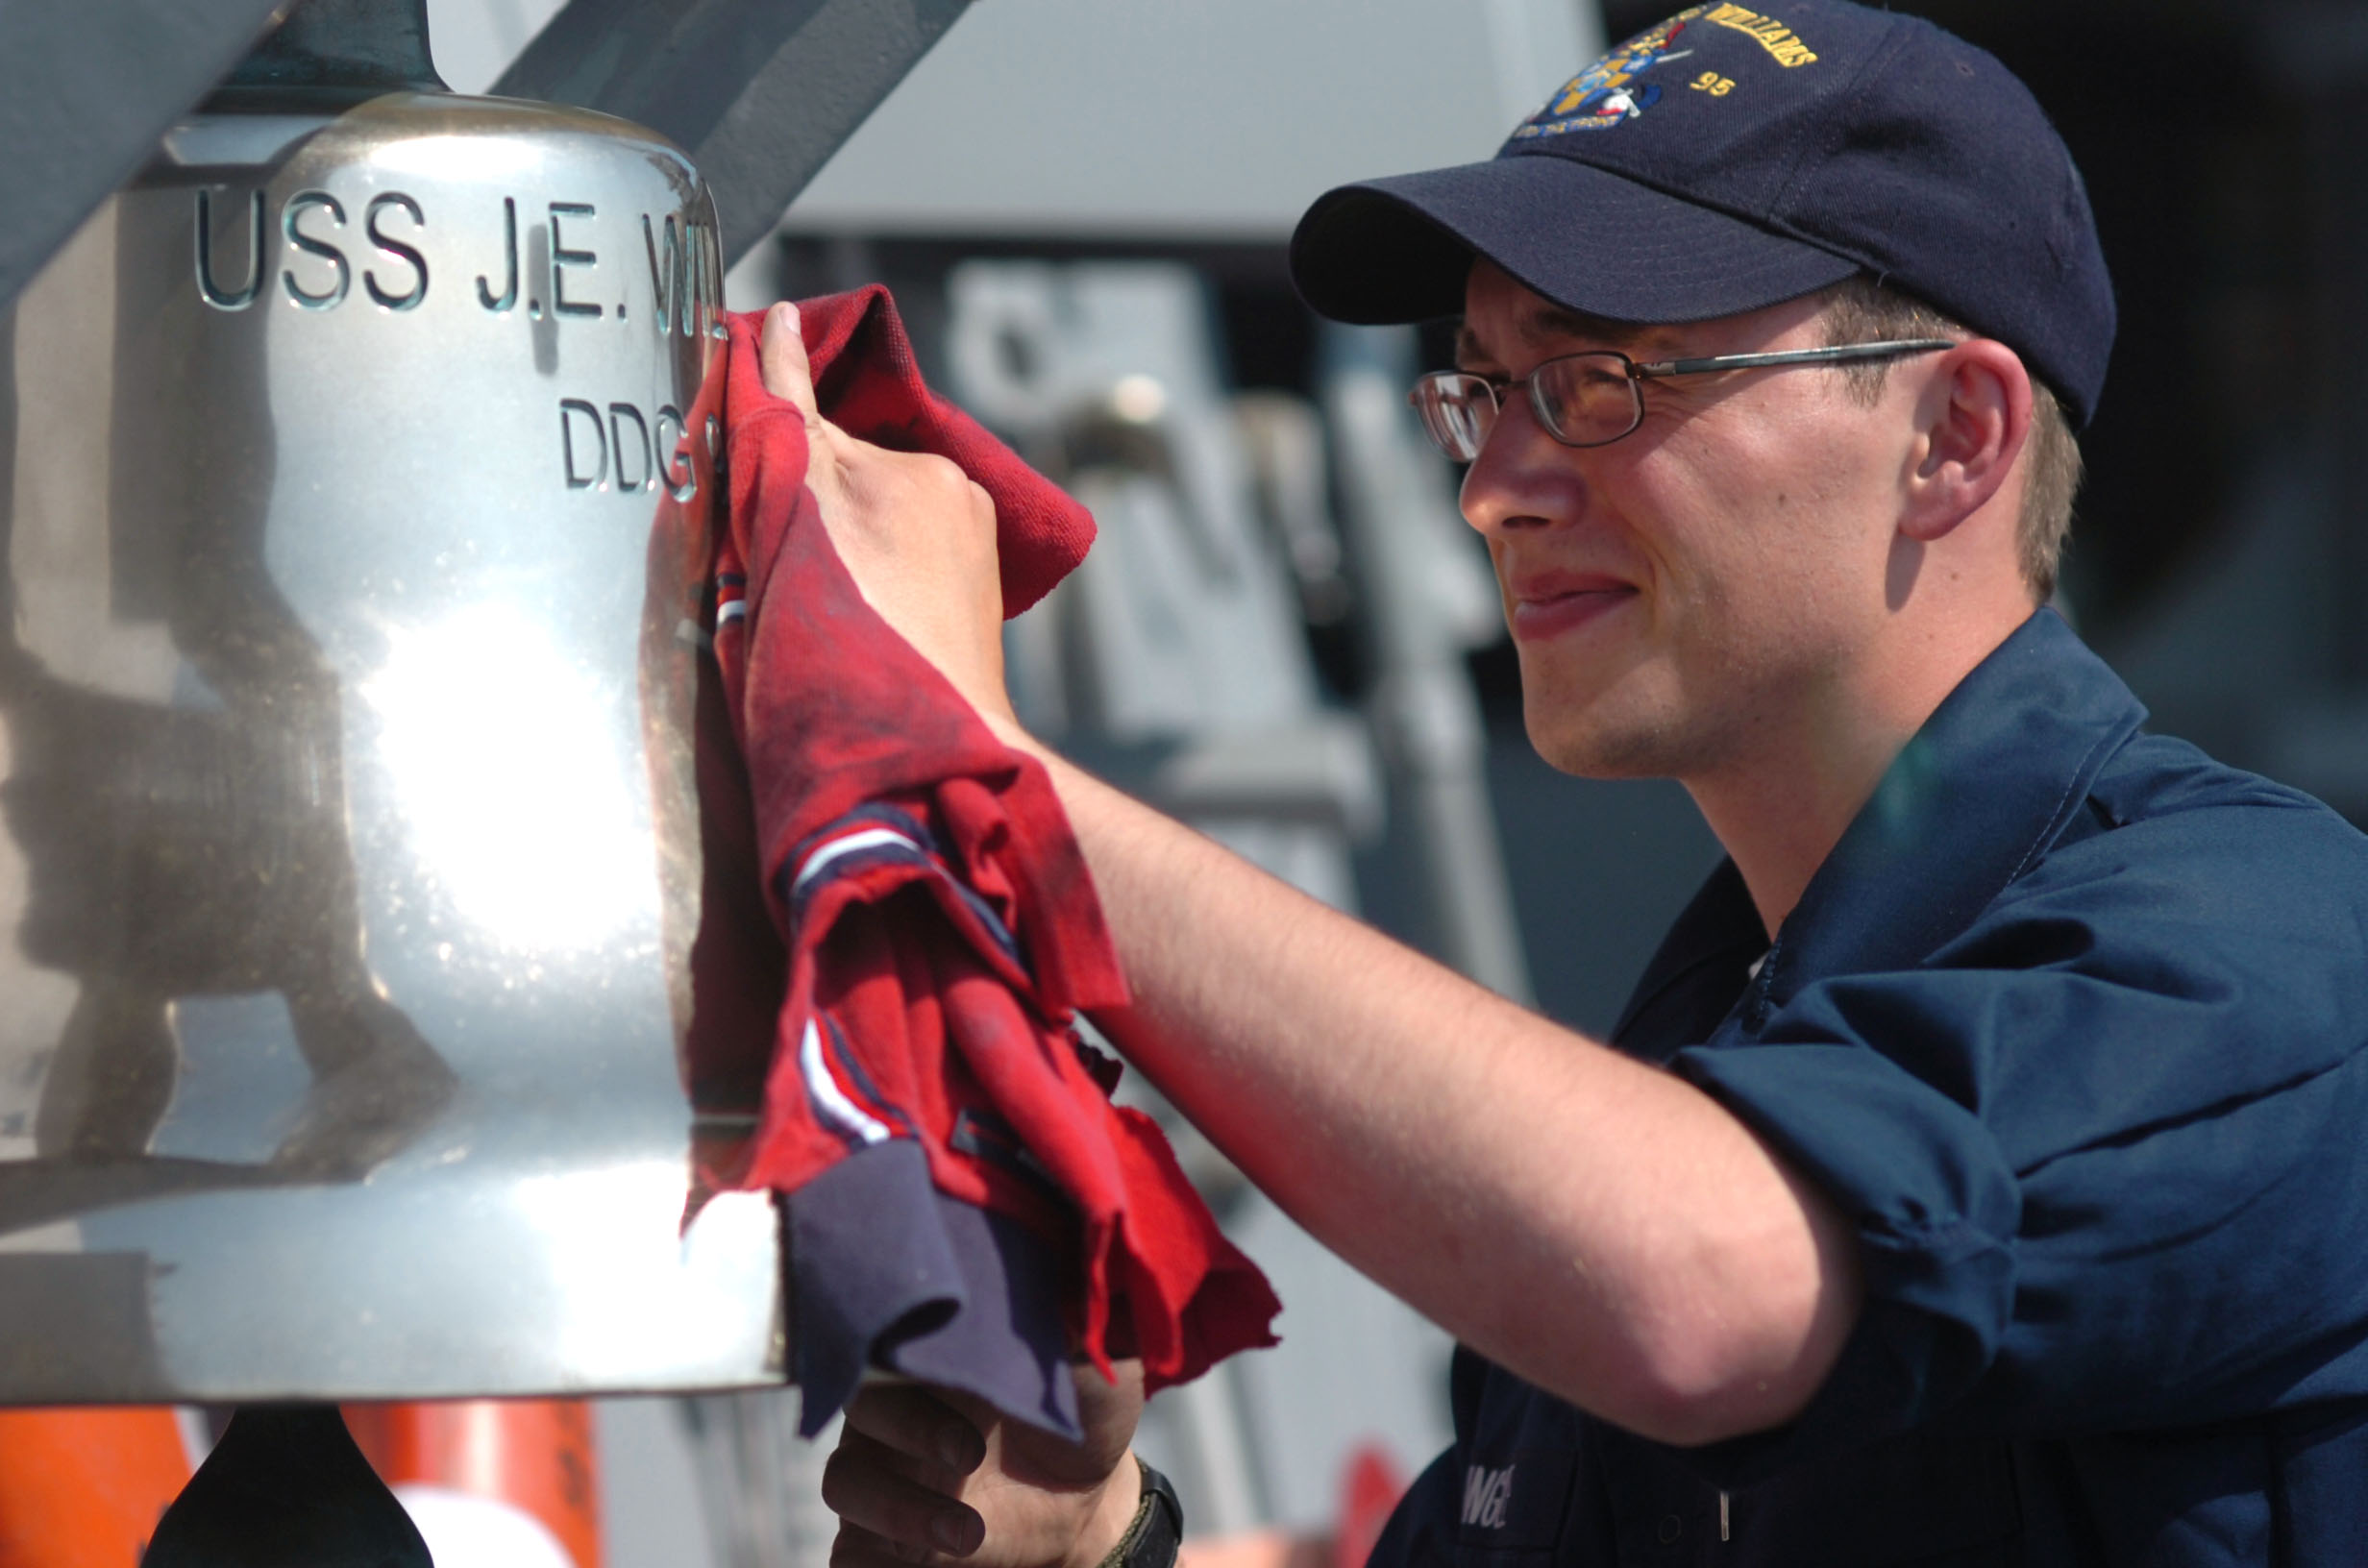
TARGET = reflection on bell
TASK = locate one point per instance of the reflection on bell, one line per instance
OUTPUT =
(348, 851)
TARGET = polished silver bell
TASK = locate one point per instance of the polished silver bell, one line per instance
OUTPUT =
(349, 858)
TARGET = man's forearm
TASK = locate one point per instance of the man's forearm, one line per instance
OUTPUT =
(1596, 1225)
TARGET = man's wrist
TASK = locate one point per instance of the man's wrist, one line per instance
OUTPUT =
(1115, 1517)
(1007, 729)
(1156, 1533)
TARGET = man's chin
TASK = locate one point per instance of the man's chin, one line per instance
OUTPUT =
(1604, 751)
(1585, 717)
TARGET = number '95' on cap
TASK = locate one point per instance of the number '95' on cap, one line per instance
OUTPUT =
(1730, 159)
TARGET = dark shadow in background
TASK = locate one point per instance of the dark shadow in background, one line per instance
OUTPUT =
(2198, 168)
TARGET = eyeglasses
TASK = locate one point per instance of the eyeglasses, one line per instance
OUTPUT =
(1593, 399)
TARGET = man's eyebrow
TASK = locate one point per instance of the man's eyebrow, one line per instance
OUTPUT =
(1541, 326)
(1549, 326)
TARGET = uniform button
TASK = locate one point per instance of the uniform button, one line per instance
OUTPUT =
(1670, 1528)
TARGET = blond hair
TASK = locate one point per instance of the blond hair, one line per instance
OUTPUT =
(1860, 310)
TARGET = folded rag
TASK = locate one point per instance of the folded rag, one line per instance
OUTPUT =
(898, 931)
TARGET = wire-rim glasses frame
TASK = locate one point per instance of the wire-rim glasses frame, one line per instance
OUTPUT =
(1573, 394)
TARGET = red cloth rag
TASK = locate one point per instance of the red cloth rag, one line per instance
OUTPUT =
(941, 930)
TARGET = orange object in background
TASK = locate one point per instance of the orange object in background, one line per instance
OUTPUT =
(84, 1488)
(1370, 1489)
(534, 1455)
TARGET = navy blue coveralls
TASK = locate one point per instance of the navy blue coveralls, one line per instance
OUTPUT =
(2073, 1024)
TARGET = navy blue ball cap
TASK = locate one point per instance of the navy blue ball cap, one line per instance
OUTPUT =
(1731, 159)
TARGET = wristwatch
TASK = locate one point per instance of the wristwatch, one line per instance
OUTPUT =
(1156, 1529)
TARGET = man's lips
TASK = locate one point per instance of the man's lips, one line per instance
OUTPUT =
(1549, 605)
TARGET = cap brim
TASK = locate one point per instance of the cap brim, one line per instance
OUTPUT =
(1398, 250)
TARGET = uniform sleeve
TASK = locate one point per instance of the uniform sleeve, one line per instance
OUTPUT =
(2104, 1151)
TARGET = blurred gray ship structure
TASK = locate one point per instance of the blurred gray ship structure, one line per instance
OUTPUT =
(1176, 659)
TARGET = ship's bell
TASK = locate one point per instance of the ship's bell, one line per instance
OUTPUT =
(349, 853)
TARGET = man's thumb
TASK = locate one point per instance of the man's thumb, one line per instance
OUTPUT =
(781, 353)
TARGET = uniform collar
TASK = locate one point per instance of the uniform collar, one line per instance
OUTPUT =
(1696, 973)
(1970, 802)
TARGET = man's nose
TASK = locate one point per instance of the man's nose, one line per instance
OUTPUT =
(1523, 478)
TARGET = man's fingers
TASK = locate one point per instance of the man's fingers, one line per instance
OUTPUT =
(782, 354)
(863, 1485)
(911, 1421)
(915, 532)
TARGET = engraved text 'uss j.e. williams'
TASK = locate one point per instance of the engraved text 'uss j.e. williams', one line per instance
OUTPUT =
(614, 448)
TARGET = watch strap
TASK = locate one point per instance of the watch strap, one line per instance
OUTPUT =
(1156, 1529)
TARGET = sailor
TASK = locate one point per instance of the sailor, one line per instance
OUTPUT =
(1976, 1175)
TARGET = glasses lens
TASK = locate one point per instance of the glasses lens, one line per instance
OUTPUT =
(1587, 398)
(1457, 411)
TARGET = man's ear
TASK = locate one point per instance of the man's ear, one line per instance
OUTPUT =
(1975, 416)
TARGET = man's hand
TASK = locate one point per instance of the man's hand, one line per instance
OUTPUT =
(928, 1476)
(916, 532)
